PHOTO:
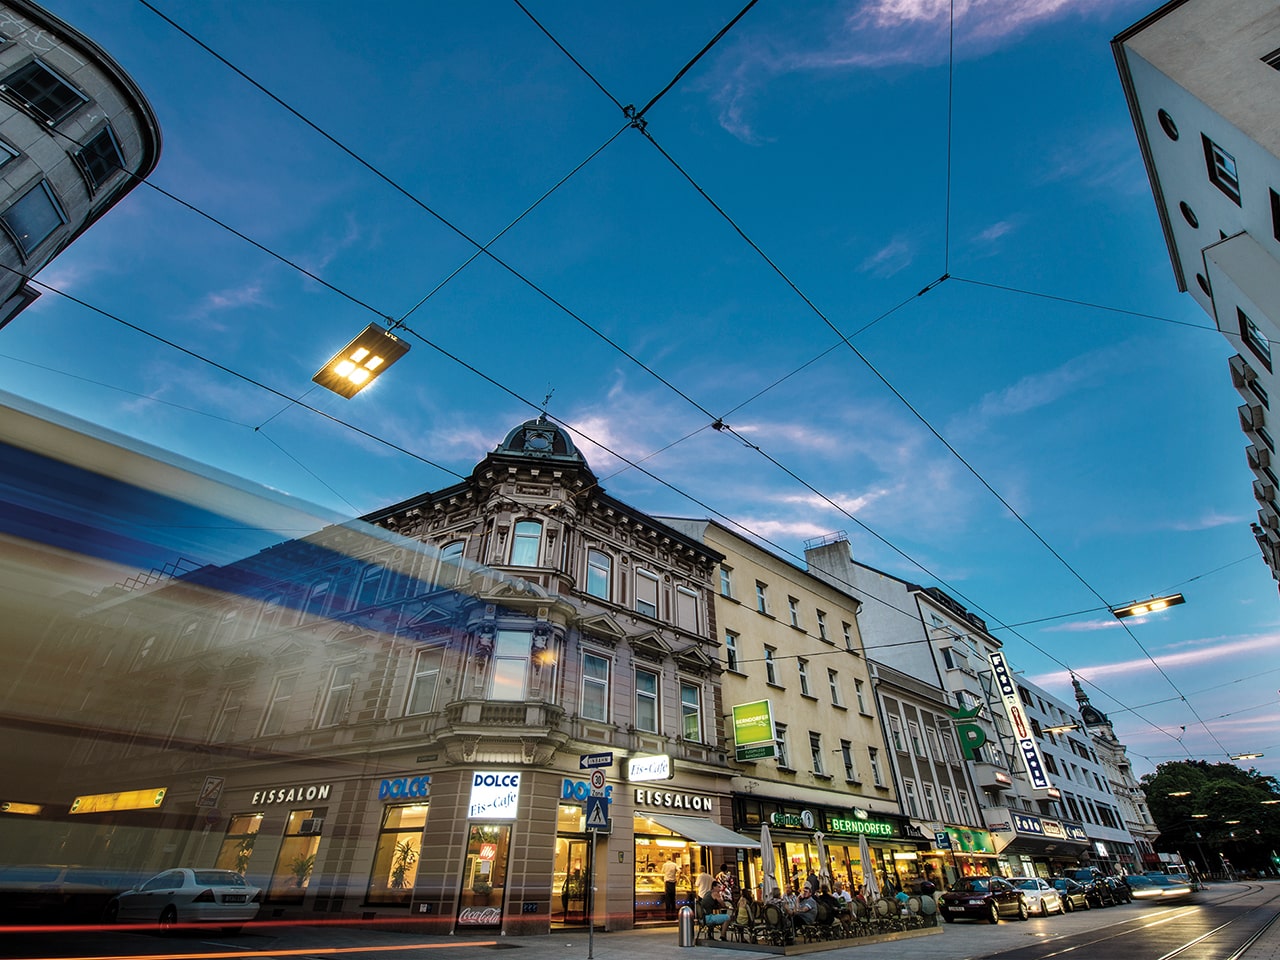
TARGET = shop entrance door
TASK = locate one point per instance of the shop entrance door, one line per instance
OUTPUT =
(570, 895)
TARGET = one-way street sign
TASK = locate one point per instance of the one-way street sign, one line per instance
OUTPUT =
(589, 761)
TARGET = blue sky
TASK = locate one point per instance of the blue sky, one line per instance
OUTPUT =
(821, 129)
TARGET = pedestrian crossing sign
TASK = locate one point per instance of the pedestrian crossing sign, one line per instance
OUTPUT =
(598, 815)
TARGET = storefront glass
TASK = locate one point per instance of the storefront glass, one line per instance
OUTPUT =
(569, 887)
(237, 845)
(484, 876)
(297, 858)
(395, 863)
(656, 845)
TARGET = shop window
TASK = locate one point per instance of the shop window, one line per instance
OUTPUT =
(426, 681)
(595, 687)
(646, 701)
(395, 861)
(526, 543)
(599, 572)
(297, 859)
(691, 712)
(237, 845)
(484, 876)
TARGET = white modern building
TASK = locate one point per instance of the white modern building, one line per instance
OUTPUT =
(1202, 79)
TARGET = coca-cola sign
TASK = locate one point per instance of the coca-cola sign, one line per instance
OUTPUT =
(480, 916)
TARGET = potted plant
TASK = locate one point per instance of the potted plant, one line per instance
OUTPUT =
(405, 857)
(301, 868)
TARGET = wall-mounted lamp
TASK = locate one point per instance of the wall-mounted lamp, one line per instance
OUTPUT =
(361, 361)
(1141, 608)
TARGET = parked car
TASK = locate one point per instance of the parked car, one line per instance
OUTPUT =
(1074, 895)
(1099, 893)
(1157, 886)
(187, 895)
(1119, 889)
(1041, 897)
(983, 898)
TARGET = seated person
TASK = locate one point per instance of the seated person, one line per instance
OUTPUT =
(714, 911)
(805, 909)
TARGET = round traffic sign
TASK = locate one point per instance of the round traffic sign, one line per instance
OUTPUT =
(597, 779)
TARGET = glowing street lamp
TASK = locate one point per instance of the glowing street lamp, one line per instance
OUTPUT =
(1060, 728)
(361, 361)
(1140, 608)
(1179, 793)
(1248, 756)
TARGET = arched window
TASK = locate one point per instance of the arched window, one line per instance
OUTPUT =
(450, 564)
(599, 571)
(525, 543)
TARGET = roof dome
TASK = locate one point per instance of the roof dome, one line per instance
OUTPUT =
(540, 438)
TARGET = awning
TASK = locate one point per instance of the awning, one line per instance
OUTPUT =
(701, 830)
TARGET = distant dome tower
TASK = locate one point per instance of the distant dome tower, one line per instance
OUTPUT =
(1091, 715)
(76, 135)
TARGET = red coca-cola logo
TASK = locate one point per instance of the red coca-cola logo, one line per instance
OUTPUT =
(481, 915)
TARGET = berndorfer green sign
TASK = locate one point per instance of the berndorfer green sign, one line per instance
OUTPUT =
(753, 731)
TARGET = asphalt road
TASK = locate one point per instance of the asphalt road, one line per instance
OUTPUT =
(1215, 926)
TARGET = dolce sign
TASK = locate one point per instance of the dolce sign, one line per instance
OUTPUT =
(404, 787)
(495, 795)
(580, 790)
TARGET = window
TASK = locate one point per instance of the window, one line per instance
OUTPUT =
(526, 543)
(510, 665)
(931, 736)
(425, 682)
(599, 570)
(966, 809)
(876, 776)
(793, 610)
(770, 667)
(7, 153)
(930, 801)
(917, 745)
(1254, 339)
(224, 728)
(803, 667)
(595, 687)
(833, 684)
(33, 217)
(726, 581)
(237, 845)
(370, 584)
(947, 658)
(398, 855)
(822, 627)
(100, 157)
(691, 712)
(316, 597)
(278, 705)
(1272, 59)
(1222, 169)
(1024, 696)
(780, 733)
(857, 692)
(895, 734)
(909, 794)
(731, 650)
(948, 805)
(848, 634)
(646, 593)
(451, 563)
(336, 703)
(815, 753)
(1275, 210)
(762, 600)
(687, 609)
(1050, 763)
(183, 728)
(646, 701)
(846, 755)
(948, 747)
(41, 90)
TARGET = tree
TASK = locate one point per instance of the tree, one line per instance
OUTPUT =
(1218, 808)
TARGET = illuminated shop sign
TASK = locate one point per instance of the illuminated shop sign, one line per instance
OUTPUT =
(803, 820)
(495, 795)
(672, 801)
(1076, 833)
(1052, 828)
(970, 841)
(870, 828)
(402, 787)
(148, 799)
(753, 733)
(579, 790)
(658, 767)
(302, 792)
(1025, 824)
(1022, 732)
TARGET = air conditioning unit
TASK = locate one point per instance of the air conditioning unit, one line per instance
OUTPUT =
(311, 826)
(1241, 372)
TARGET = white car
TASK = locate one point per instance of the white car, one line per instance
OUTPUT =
(1041, 896)
(186, 895)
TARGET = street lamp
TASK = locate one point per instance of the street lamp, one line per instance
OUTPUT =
(1140, 608)
(1248, 756)
(1060, 728)
(1179, 793)
(361, 361)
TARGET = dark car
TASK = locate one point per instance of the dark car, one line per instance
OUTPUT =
(983, 898)
(1074, 896)
(1119, 889)
(1095, 887)
(1157, 886)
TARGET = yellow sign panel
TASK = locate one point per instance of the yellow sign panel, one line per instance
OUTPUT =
(148, 799)
(30, 809)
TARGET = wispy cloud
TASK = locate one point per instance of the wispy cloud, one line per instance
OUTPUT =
(1084, 626)
(232, 298)
(1208, 521)
(893, 257)
(1213, 650)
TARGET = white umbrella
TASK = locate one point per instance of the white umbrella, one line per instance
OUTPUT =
(824, 867)
(768, 885)
(870, 885)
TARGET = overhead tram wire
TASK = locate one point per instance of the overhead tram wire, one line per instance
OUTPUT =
(444, 221)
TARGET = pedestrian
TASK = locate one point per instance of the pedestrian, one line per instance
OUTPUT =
(670, 873)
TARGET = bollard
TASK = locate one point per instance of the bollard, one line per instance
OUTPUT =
(686, 927)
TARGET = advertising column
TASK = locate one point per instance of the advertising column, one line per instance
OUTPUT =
(494, 803)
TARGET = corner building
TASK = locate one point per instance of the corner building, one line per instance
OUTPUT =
(387, 719)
